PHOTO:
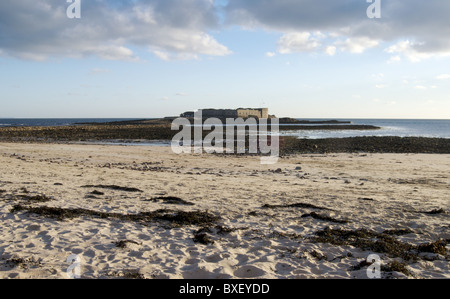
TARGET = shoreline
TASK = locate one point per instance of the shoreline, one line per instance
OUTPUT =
(288, 145)
(158, 130)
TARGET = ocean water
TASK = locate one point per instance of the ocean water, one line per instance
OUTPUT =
(389, 127)
(50, 122)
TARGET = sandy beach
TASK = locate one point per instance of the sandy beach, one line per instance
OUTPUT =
(145, 212)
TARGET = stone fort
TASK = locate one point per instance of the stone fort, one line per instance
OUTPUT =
(232, 113)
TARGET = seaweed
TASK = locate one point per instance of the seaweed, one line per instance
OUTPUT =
(113, 187)
(398, 232)
(394, 266)
(366, 240)
(178, 218)
(201, 236)
(295, 205)
(123, 243)
(366, 198)
(171, 200)
(95, 192)
(126, 274)
(318, 255)
(435, 212)
(324, 217)
(36, 198)
(378, 242)
(187, 218)
(437, 247)
(24, 263)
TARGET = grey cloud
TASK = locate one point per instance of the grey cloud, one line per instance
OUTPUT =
(178, 29)
(108, 29)
(424, 23)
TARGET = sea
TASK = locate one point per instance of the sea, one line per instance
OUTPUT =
(389, 127)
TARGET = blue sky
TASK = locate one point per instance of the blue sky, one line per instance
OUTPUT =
(303, 58)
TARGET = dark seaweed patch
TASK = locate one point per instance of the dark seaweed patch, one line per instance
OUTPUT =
(35, 198)
(24, 263)
(435, 212)
(126, 274)
(187, 218)
(95, 192)
(171, 200)
(365, 240)
(201, 236)
(398, 232)
(396, 266)
(177, 218)
(123, 243)
(324, 217)
(437, 247)
(366, 198)
(393, 266)
(113, 187)
(378, 242)
(295, 205)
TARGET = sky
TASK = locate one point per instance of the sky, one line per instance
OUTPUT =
(155, 58)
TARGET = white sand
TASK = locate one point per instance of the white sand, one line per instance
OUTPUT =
(268, 243)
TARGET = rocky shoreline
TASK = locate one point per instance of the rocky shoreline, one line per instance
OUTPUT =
(388, 144)
(160, 130)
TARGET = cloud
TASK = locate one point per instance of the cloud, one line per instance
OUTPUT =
(271, 54)
(330, 50)
(38, 30)
(407, 49)
(357, 45)
(298, 42)
(182, 29)
(415, 29)
(443, 77)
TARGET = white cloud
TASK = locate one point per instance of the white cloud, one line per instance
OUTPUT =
(109, 29)
(406, 48)
(358, 45)
(443, 77)
(271, 54)
(380, 86)
(330, 50)
(424, 22)
(420, 87)
(298, 42)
